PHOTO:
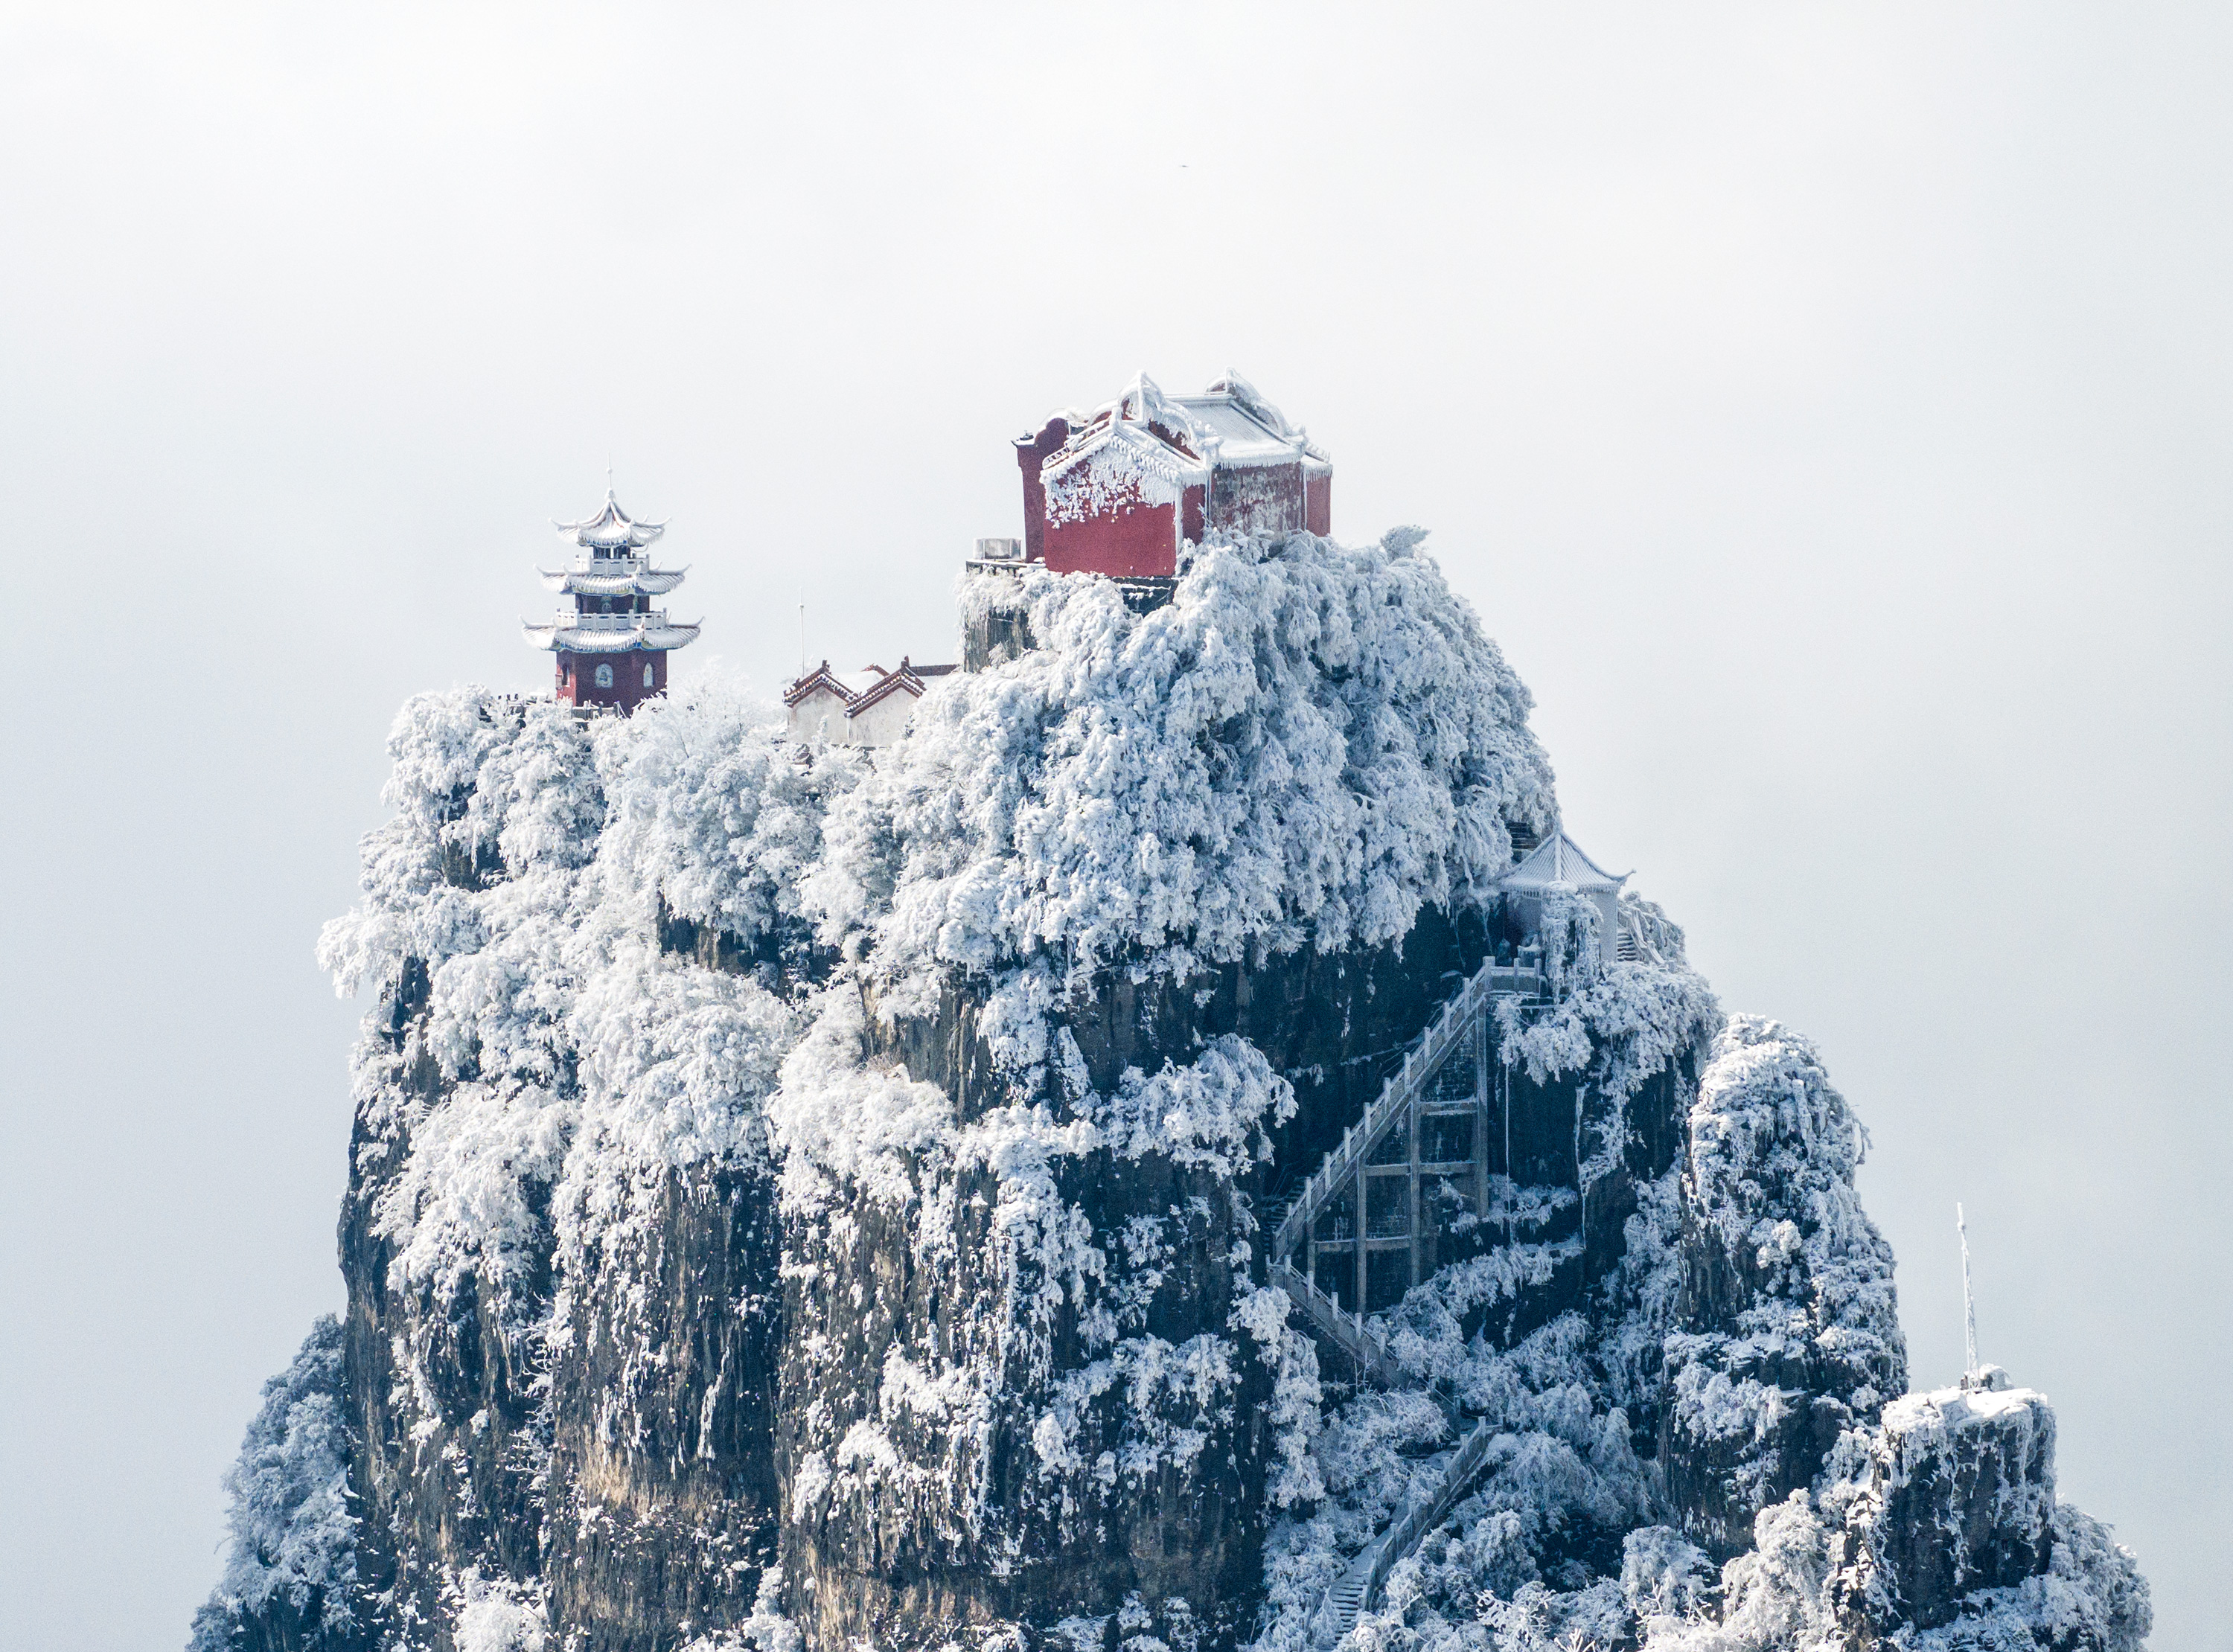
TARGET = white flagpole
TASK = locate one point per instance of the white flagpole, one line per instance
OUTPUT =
(1968, 1302)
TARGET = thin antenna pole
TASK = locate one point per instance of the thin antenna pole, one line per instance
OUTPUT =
(802, 639)
(1969, 1301)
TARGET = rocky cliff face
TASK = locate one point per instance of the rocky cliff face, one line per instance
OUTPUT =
(802, 1201)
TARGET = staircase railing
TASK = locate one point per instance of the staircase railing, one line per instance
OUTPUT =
(1349, 1596)
(1449, 1024)
(1420, 1519)
(1354, 1334)
(1365, 1342)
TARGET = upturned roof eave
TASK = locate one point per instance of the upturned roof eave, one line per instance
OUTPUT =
(642, 582)
(1558, 859)
(594, 533)
(660, 639)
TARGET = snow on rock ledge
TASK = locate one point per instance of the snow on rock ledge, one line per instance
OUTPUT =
(1937, 1531)
(1961, 1497)
(1787, 1332)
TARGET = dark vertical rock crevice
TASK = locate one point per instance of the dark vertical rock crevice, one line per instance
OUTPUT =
(664, 1401)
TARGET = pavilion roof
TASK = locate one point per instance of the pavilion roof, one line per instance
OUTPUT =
(620, 576)
(1559, 859)
(609, 633)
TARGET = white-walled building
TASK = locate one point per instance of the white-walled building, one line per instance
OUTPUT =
(869, 707)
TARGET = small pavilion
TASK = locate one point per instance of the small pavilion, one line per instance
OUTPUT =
(1558, 862)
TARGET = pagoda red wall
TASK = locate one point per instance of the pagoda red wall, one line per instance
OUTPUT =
(575, 678)
(1317, 509)
(1134, 541)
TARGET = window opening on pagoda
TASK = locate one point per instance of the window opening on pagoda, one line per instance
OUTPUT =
(647, 676)
(604, 676)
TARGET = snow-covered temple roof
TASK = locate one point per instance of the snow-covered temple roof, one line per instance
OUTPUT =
(1229, 424)
(847, 685)
(616, 576)
(904, 680)
(611, 529)
(1248, 429)
(611, 563)
(1559, 859)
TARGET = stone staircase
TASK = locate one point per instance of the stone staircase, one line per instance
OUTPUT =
(1358, 1590)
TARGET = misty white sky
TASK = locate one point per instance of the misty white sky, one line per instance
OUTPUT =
(1828, 408)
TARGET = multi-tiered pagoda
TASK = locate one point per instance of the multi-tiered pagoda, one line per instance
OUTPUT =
(612, 646)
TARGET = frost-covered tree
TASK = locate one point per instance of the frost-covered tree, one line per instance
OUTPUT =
(290, 1572)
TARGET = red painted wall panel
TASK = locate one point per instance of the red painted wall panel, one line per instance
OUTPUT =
(1136, 541)
(1318, 511)
(1257, 498)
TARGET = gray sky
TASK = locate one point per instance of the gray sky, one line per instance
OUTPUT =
(1827, 409)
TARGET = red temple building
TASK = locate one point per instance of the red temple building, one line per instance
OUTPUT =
(1118, 492)
(612, 644)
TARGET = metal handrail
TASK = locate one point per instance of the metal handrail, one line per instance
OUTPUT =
(1362, 1339)
(1329, 1621)
(1352, 1332)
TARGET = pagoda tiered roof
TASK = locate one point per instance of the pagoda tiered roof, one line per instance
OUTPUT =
(610, 530)
(612, 562)
(610, 632)
(612, 576)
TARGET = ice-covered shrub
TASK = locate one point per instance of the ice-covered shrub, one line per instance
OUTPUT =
(716, 817)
